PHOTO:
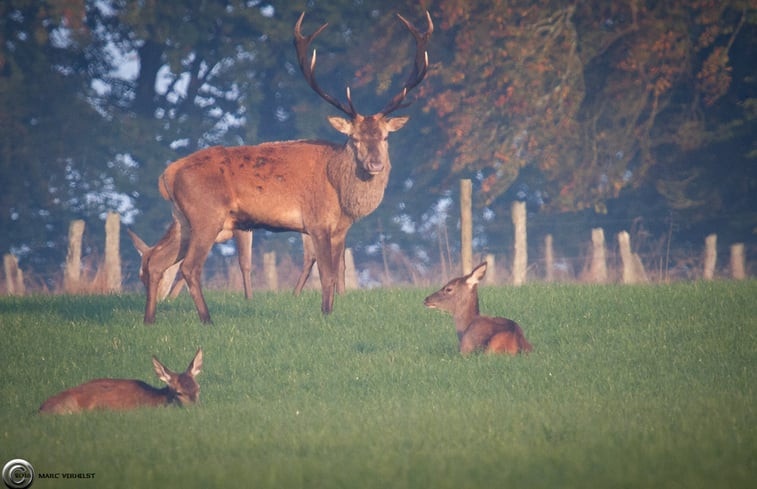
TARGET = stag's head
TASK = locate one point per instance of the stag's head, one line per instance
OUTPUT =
(367, 135)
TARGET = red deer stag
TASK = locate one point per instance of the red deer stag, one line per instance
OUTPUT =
(475, 332)
(313, 187)
(123, 394)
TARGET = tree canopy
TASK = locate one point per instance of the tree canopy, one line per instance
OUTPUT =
(630, 108)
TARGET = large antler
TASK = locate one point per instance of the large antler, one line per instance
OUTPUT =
(301, 44)
(419, 68)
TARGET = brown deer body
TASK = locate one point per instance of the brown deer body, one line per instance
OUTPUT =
(474, 331)
(125, 394)
(317, 188)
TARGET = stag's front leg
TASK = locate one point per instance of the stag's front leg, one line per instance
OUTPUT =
(327, 269)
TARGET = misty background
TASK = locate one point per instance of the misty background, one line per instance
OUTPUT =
(626, 115)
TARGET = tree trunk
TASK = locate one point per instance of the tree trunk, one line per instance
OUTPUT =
(466, 226)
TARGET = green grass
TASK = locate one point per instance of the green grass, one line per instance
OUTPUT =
(632, 387)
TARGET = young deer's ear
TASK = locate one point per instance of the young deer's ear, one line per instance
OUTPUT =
(140, 245)
(162, 372)
(195, 366)
(476, 275)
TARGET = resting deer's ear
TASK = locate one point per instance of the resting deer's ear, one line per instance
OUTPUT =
(195, 367)
(476, 275)
(161, 371)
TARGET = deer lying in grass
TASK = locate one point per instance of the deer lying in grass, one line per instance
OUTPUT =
(313, 187)
(124, 394)
(474, 331)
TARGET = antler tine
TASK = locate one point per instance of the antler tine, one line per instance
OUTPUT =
(420, 67)
(301, 45)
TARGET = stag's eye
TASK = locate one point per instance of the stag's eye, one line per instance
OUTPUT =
(448, 290)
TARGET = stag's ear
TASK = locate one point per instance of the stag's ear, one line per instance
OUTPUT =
(341, 124)
(396, 123)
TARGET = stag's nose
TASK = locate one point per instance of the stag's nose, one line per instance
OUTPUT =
(374, 167)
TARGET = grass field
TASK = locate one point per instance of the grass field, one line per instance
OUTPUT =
(632, 387)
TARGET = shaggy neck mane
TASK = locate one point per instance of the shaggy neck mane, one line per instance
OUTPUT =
(359, 192)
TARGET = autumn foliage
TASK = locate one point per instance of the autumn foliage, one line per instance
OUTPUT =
(585, 93)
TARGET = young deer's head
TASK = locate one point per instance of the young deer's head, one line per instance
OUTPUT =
(459, 297)
(183, 387)
(146, 253)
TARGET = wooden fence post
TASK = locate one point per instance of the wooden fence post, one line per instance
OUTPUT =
(738, 262)
(350, 274)
(549, 258)
(72, 273)
(598, 269)
(710, 256)
(269, 270)
(112, 255)
(466, 226)
(14, 277)
(633, 269)
(520, 258)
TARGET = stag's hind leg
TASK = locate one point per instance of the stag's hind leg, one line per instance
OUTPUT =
(243, 240)
(308, 260)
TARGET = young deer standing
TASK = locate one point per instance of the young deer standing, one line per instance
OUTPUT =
(123, 394)
(476, 332)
